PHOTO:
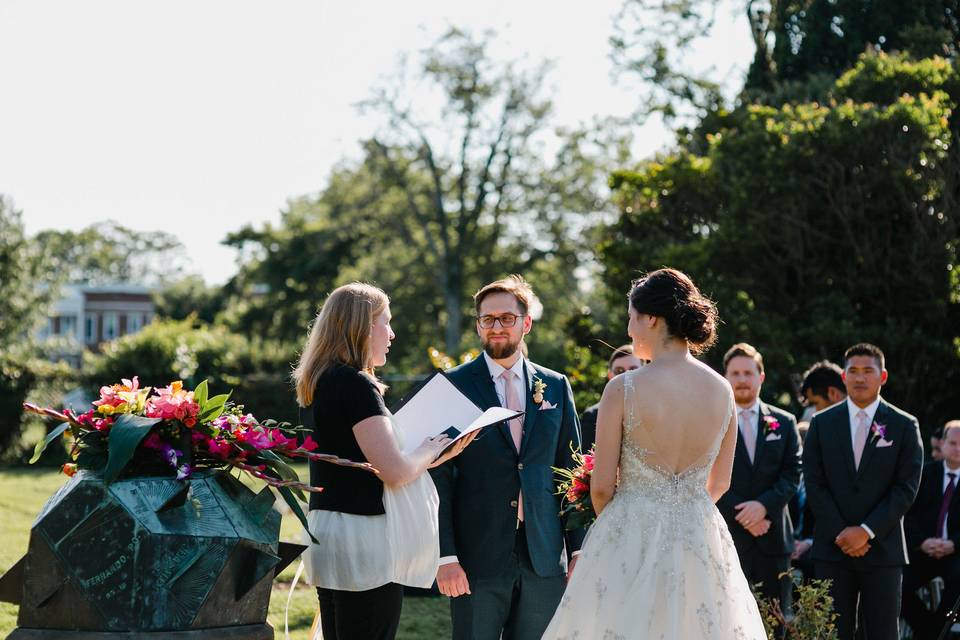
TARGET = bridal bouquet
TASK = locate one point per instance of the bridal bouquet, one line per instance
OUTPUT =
(576, 507)
(175, 431)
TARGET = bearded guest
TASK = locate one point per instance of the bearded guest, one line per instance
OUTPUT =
(504, 552)
(621, 361)
(766, 475)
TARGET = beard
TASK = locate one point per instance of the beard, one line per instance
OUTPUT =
(501, 350)
(743, 396)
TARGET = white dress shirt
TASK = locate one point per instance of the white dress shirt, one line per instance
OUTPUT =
(946, 483)
(871, 411)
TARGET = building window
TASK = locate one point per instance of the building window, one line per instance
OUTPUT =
(111, 326)
(133, 322)
(68, 326)
(90, 329)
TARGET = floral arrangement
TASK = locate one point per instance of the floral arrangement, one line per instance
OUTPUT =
(175, 431)
(576, 506)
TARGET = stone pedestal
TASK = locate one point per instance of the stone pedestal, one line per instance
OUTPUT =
(150, 557)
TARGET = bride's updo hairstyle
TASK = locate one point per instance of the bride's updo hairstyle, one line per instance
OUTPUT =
(671, 295)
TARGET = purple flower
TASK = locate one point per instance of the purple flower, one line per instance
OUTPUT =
(183, 472)
(879, 430)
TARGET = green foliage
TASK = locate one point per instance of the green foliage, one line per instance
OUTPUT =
(15, 383)
(815, 226)
(187, 297)
(438, 205)
(107, 252)
(256, 370)
(813, 615)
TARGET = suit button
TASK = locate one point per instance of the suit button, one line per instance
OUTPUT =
(520, 467)
(514, 503)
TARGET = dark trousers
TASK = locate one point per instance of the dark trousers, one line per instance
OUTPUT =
(517, 602)
(875, 589)
(921, 570)
(772, 573)
(356, 615)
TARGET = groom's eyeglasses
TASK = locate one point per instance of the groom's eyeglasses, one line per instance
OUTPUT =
(506, 320)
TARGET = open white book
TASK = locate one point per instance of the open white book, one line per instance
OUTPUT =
(439, 407)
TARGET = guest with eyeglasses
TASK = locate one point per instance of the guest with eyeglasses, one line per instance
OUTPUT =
(504, 552)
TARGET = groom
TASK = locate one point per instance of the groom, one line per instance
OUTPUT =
(502, 544)
(862, 462)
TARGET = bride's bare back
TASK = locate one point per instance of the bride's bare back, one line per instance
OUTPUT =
(673, 414)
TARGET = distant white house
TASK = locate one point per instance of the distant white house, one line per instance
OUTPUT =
(87, 316)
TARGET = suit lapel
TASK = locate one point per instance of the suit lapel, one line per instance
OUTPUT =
(871, 445)
(532, 408)
(842, 427)
(487, 392)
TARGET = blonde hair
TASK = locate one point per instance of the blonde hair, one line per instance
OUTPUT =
(340, 335)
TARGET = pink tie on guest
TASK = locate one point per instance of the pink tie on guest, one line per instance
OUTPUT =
(860, 437)
(512, 400)
(749, 435)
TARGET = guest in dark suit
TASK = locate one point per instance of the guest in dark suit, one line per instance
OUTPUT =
(766, 473)
(821, 388)
(862, 462)
(621, 360)
(503, 547)
(933, 538)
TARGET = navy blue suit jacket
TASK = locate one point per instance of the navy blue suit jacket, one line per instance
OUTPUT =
(876, 494)
(771, 479)
(478, 489)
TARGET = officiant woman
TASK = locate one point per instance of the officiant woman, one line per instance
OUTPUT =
(376, 531)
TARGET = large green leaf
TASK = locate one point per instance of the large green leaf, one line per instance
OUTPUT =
(213, 408)
(125, 435)
(42, 445)
(200, 395)
(297, 511)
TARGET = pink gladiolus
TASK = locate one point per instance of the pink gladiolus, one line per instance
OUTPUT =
(218, 447)
(309, 444)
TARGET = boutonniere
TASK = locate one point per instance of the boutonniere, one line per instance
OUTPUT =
(539, 386)
(878, 431)
(770, 425)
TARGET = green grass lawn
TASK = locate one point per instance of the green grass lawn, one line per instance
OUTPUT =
(23, 492)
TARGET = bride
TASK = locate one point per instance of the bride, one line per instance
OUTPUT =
(659, 562)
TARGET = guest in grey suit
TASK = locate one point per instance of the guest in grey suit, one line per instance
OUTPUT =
(503, 548)
(862, 462)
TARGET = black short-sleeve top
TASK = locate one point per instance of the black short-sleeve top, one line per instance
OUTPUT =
(343, 397)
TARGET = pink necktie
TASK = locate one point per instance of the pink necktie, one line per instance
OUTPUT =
(746, 428)
(860, 437)
(512, 400)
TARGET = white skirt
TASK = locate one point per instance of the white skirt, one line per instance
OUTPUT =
(358, 553)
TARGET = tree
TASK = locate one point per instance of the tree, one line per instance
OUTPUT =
(438, 204)
(818, 225)
(108, 253)
(800, 46)
(28, 284)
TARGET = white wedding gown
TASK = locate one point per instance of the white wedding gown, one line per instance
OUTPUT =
(659, 562)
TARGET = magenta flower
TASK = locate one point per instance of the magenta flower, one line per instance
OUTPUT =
(174, 403)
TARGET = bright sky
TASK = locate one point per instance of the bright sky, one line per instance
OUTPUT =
(198, 117)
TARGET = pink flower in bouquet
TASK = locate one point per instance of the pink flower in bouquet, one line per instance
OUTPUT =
(92, 420)
(280, 441)
(588, 461)
(253, 436)
(309, 444)
(125, 397)
(174, 403)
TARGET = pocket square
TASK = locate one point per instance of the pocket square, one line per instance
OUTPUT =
(546, 405)
(884, 443)
(773, 436)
